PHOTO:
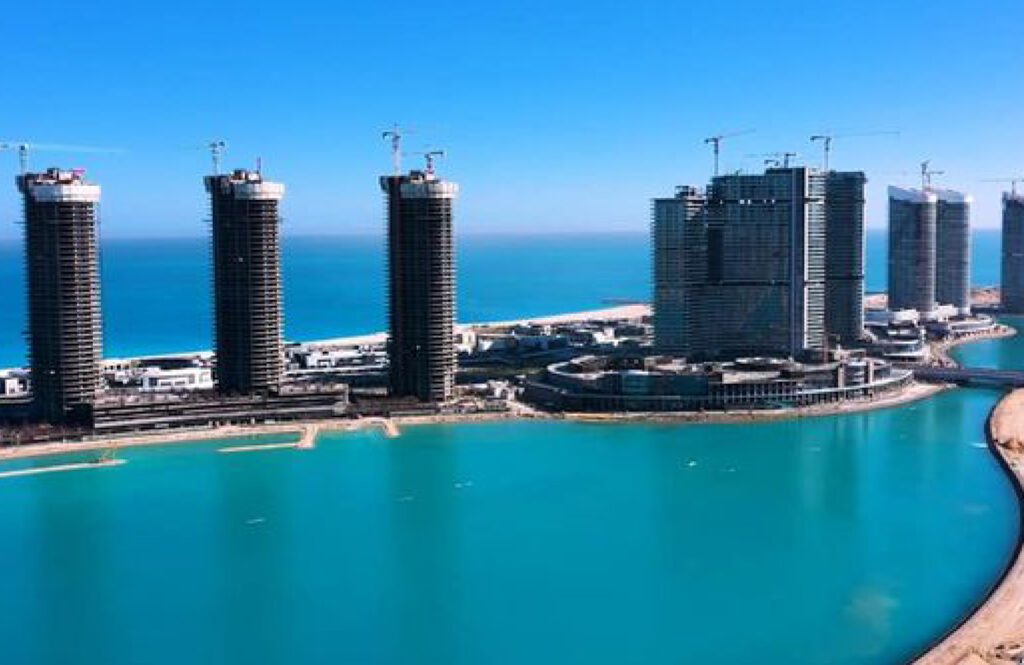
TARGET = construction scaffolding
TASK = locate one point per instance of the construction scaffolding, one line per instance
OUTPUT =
(61, 257)
(1012, 281)
(248, 316)
(844, 255)
(421, 286)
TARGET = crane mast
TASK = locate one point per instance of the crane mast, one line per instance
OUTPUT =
(1013, 180)
(216, 148)
(926, 175)
(826, 142)
(23, 148)
(430, 156)
(716, 144)
(395, 135)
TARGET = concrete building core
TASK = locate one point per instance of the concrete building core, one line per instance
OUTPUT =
(1012, 279)
(953, 250)
(669, 219)
(248, 317)
(844, 255)
(912, 240)
(61, 258)
(421, 286)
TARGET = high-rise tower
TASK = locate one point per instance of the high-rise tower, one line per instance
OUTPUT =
(953, 250)
(844, 255)
(912, 238)
(421, 285)
(669, 218)
(63, 292)
(1012, 279)
(754, 266)
(245, 216)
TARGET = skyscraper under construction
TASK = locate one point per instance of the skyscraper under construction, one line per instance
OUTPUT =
(844, 255)
(1012, 278)
(63, 293)
(421, 285)
(669, 220)
(754, 266)
(245, 218)
(912, 237)
(953, 250)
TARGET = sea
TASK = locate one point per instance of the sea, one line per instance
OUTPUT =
(157, 294)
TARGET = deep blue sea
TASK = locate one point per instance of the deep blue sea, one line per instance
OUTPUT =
(157, 294)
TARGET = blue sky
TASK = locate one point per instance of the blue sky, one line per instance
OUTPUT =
(558, 116)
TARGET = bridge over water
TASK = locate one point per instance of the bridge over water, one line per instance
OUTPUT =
(970, 376)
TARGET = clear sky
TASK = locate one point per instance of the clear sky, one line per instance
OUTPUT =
(557, 115)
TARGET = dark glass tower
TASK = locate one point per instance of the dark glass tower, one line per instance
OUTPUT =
(1012, 280)
(953, 250)
(421, 285)
(669, 218)
(244, 213)
(844, 255)
(754, 266)
(63, 293)
(912, 237)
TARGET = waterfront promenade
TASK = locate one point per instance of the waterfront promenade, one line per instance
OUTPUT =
(995, 633)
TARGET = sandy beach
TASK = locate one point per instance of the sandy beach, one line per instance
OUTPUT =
(306, 432)
(618, 313)
(994, 634)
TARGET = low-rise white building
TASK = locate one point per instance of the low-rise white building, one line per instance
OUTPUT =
(156, 379)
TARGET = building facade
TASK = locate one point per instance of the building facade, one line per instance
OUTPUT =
(421, 285)
(912, 253)
(624, 383)
(669, 220)
(1012, 269)
(61, 257)
(953, 250)
(754, 266)
(844, 255)
(248, 317)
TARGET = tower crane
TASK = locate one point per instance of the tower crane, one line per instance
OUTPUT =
(716, 143)
(216, 148)
(430, 156)
(776, 158)
(826, 141)
(1013, 183)
(926, 175)
(395, 135)
(23, 148)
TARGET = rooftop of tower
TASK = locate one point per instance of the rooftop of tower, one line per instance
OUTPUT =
(59, 185)
(953, 196)
(911, 195)
(426, 185)
(246, 184)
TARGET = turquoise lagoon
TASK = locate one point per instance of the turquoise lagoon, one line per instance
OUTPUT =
(854, 539)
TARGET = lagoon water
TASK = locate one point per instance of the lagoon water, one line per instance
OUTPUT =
(846, 540)
(156, 293)
(995, 353)
(840, 540)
